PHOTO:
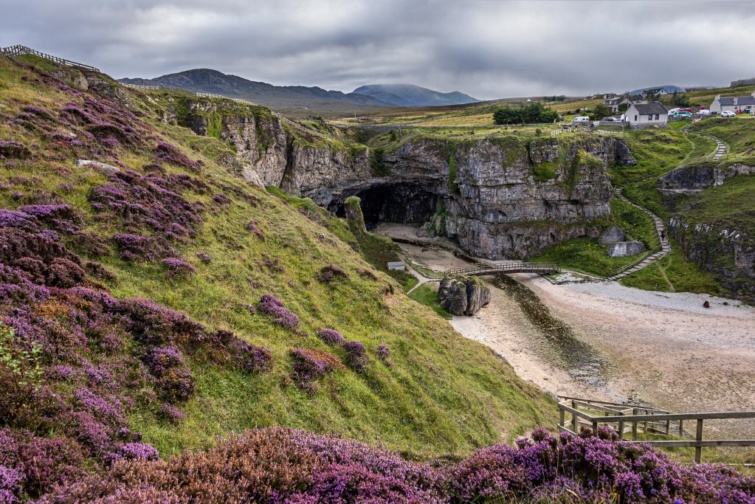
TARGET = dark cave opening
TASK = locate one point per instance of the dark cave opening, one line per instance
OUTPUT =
(399, 203)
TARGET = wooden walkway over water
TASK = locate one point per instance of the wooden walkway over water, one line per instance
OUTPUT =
(506, 268)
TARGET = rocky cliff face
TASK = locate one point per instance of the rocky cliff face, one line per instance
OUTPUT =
(500, 197)
(693, 179)
(728, 252)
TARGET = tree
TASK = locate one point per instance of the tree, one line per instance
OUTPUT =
(531, 113)
(623, 107)
(600, 112)
(680, 100)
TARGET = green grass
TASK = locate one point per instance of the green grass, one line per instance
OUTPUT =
(586, 255)
(444, 393)
(673, 273)
(428, 296)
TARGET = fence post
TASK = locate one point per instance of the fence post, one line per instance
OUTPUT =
(699, 438)
(594, 427)
(681, 428)
(574, 418)
(562, 416)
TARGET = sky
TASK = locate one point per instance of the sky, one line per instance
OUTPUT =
(486, 48)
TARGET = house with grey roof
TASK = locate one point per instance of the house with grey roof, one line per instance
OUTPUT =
(733, 104)
(615, 102)
(647, 114)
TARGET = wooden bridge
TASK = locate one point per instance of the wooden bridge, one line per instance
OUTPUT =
(19, 50)
(512, 267)
(625, 418)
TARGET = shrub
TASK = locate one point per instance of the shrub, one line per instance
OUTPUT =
(356, 356)
(252, 226)
(383, 354)
(270, 305)
(331, 337)
(250, 358)
(329, 273)
(310, 365)
(177, 268)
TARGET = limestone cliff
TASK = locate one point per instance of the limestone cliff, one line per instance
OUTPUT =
(504, 196)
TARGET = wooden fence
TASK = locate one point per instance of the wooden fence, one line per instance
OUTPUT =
(19, 50)
(623, 419)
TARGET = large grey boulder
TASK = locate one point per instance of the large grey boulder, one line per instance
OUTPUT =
(613, 235)
(626, 248)
(463, 295)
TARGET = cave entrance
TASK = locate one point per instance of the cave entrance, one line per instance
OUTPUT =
(400, 203)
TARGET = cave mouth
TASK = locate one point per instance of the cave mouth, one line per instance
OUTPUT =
(398, 203)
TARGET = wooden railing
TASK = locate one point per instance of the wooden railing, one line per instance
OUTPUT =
(541, 268)
(623, 418)
(19, 50)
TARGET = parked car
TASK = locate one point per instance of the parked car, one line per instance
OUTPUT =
(612, 119)
(728, 113)
(681, 114)
(703, 112)
(581, 120)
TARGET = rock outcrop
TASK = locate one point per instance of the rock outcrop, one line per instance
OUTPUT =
(626, 248)
(500, 197)
(695, 178)
(727, 252)
(463, 295)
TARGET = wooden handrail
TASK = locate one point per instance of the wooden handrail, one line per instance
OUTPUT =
(506, 268)
(19, 50)
(650, 420)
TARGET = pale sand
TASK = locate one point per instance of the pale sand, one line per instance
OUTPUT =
(662, 349)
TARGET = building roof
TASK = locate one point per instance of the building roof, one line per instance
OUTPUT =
(728, 101)
(650, 108)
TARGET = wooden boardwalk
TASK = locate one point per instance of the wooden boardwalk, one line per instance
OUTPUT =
(513, 267)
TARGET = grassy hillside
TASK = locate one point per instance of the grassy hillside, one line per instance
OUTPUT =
(168, 222)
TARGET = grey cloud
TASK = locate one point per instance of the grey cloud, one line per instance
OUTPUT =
(486, 48)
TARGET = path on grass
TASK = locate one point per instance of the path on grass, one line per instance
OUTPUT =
(660, 227)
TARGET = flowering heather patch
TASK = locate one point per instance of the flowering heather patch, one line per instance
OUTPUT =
(39, 111)
(177, 268)
(250, 358)
(136, 248)
(171, 413)
(270, 305)
(384, 355)
(310, 365)
(147, 203)
(252, 226)
(273, 264)
(331, 337)
(170, 154)
(59, 217)
(329, 273)
(204, 257)
(14, 150)
(356, 356)
(221, 200)
(135, 451)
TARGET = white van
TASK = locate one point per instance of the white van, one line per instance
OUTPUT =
(581, 120)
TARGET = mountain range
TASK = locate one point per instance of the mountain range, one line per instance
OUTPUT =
(303, 98)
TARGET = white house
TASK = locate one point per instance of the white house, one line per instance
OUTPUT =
(732, 103)
(647, 114)
(615, 102)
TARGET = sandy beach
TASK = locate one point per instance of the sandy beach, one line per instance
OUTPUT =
(661, 349)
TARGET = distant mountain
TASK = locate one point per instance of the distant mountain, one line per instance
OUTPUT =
(280, 98)
(407, 95)
(666, 89)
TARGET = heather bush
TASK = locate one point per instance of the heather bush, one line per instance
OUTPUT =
(329, 273)
(331, 337)
(171, 413)
(14, 150)
(177, 268)
(384, 355)
(204, 257)
(310, 365)
(270, 305)
(250, 358)
(356, 356)
(170, 154)
(252, 226)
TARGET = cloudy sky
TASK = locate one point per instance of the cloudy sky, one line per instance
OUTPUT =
(485, 48)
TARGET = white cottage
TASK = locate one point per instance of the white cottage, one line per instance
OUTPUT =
(648, 114)
(732, 104)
